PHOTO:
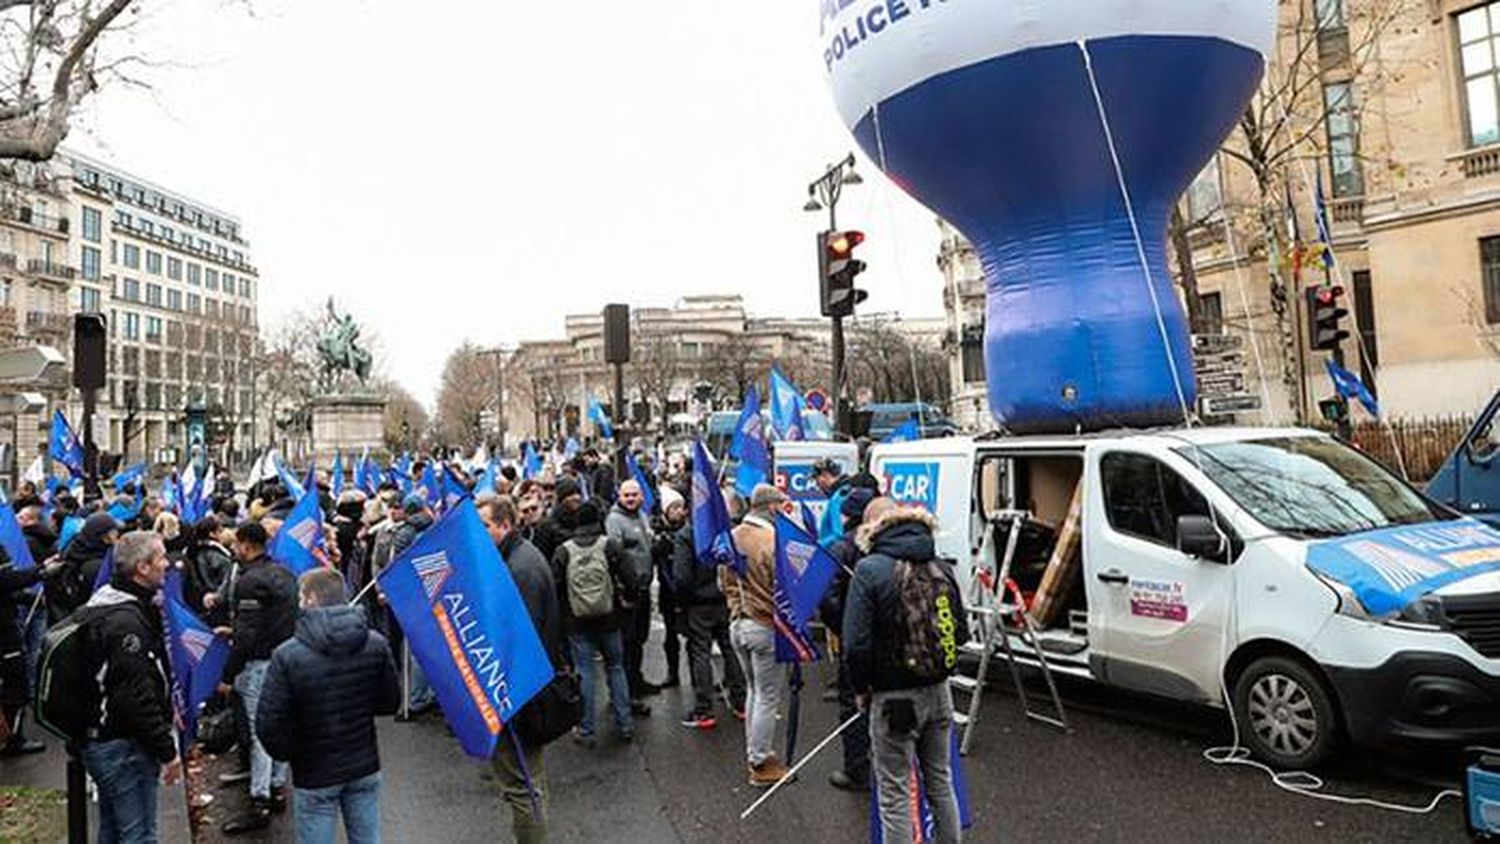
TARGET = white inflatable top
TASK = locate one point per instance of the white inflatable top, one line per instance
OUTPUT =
(875, 49)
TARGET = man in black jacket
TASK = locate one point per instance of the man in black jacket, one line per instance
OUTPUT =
(706, 616)
(533, 578)
(911, 714)
(133, 745)
(17, 602)
(317, 711)
(264, 615)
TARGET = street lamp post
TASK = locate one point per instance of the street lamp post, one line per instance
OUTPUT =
(825, 192)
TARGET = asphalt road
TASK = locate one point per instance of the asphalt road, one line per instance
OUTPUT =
(1131, 768)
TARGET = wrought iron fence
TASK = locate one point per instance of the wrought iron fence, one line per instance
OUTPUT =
(1423, 442)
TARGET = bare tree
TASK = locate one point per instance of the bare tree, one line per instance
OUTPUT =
(654, 369)
(467, 391)
(406, 422)
(734, 365)
(286, 372)
(891, 367)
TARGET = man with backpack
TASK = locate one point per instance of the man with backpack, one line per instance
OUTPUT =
(903, 627)
(120, 700)
(592, 595)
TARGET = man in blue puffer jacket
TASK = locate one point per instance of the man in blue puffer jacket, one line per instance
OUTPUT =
(317, 708)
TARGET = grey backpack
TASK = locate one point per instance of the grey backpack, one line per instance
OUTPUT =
(591, 591)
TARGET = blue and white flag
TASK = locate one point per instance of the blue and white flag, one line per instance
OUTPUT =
(489, 479)
(71, 525)
(600, 419)
(634, 469)
(106, 569)
(125, 510)
(336, 480)
(531, 462)
(571, 449)
(454, 489)
(197, 657)
(171, 493)
(468, 627)
(922, 824)
(12, 538)
(298, 545)
(63, 445)
(1389, 569)
(713, 542)
(1325, 237)
(804, 571)
(289, 481)
(786, 407)
(909, 431)
(749, 446)
(126, 477)
(362, 479)
(430, 486)
(1348, 385)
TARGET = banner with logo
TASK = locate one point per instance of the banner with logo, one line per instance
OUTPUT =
(467, 626)
(197, 657)
(804, 571)
(1389, 569)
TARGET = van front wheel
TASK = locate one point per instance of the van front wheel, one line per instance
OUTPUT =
(1285, 713)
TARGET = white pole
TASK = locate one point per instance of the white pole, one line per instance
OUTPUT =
(795, 768)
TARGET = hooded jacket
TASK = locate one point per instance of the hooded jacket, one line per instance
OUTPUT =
(82, 559)
(135, 685)
(871, 637)
(322, 692)
(265, 612)
(751, 597)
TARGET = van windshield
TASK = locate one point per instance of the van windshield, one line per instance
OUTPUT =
(1311, 487)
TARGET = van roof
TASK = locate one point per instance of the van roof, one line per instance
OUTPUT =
(1168, 436)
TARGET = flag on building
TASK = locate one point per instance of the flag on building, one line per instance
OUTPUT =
(600, 419)
(787, 406)
(468, 627)
(298, 545)
(1325, 232)
(197, 657)
(713, 544)
(1349, 386)
(63, 445)
(804, 571)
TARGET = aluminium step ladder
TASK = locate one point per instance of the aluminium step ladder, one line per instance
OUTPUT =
(993, 599)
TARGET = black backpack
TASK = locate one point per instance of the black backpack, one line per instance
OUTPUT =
(929, 620)
(69, 690)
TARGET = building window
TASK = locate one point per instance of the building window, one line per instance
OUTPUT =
(93, 223)
(972, 354)
(195, 303)
(1364, 320)
(194, 274)
(114, 251)
(88, 260)
(132, 326)
(174, 300)
(1211, 305)
(211, 308)
(131, 290)
(1478, 41)
(1343, 140)
(132, 255)
(1205, 196)
(153, 295)
(153, 262)
(88, 300)
(153, 329)
(211, 278)
(1489, 261)
(174, 268)
(1333, 33)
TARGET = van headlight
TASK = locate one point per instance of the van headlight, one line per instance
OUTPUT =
(1425, 613)
(1349, 603)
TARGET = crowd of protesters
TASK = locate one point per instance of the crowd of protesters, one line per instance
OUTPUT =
(308, 671)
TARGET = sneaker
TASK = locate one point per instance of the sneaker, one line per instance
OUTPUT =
(234, 777)
(767, 773)
(844, 782)
(584, 739)
(640, 710)
(739, 712)
(20, 745)
(648, 689)
(254, 819)
(699, 721)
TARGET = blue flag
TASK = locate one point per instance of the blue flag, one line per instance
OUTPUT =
(127, 509)
(531, 462)
(488, 480)
(197, 657)
(171, 494)
(713, 543)
(430, 487)
(909, 431)
(1325, 238)
(106, 569)
(337, 472)
(70, 528)
(64, 447)
(570, 449)
(749, 446)
(1349, 386)
(922, 824)
(468, 627)
(129, 476)
(12, 539)
(634, 469)
(786, 407)
(298, 545)
(454, 489)
(362, 479)
(293, 486)
(804, 571)
(600, 419)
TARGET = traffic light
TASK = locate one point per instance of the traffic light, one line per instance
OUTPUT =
(89, 336)
(837, 269)
(1325, 317)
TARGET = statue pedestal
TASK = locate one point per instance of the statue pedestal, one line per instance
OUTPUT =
(347, 424)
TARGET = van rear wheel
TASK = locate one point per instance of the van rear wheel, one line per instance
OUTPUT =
(1285, 713)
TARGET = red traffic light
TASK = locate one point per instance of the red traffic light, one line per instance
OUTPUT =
(841, 244)
(1329, 295)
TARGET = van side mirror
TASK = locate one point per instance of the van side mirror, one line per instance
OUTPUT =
(1198, 536)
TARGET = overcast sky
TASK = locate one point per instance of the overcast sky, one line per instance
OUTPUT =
(460, 170)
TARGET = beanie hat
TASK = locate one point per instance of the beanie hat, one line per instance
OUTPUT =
(670, 496)
(565, 488)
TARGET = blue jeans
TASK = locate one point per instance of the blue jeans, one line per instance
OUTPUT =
(126, 776)
(585, 645)
(264, 771)
(317, 811)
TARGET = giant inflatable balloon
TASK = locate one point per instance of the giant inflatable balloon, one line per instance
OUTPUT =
(1027, 124)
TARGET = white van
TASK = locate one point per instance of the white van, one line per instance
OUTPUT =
(1326, 597)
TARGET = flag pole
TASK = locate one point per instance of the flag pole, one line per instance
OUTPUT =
(802, 762)
(362, 592)
(794, 710)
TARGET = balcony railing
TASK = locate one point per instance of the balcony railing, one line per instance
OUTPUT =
(48, 322)
(43, 267)
(1349, 209)
(1478, 162)
(24, 215)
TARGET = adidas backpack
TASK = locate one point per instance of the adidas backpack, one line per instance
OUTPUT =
(591, 591)
(928, 620)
